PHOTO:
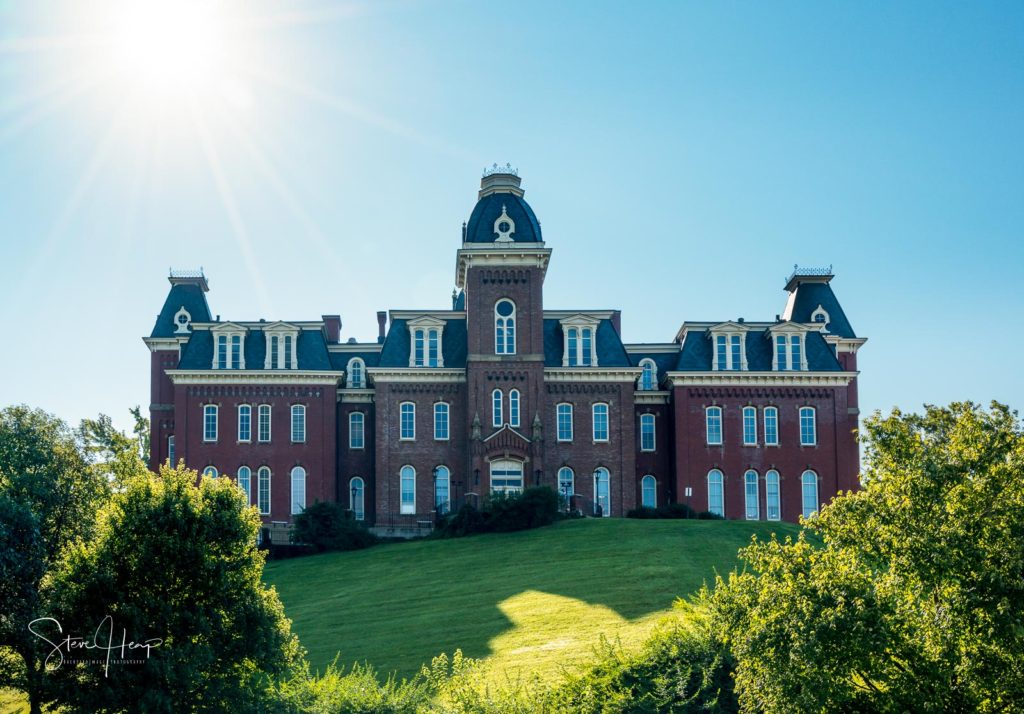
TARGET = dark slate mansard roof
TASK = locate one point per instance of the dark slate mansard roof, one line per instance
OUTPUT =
(397, 346)
(311, 350)
(610, 351)
(187, 295)
(805, 300)
(480, 228)
(697, 353)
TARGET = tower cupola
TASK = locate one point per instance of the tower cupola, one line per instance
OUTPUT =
(501, 214)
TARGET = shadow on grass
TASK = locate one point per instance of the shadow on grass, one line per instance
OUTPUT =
(398, 605)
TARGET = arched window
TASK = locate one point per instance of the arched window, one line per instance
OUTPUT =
(564, 412)
(210, 422)
(298, 423)
(407, 425)
(356, 430)
(407, 478)
(357, 498)
(751, 495)
(442, 484)
(441, 411)
(263, 415)
(496, 408)
(716, 495)
(566, 484)
(210, 471)
(513, 408)
(244, 422)
(263, 490)
(602, 492)
(750, 426)
(505, 327)
(600, 422)
(245, 482)
(649, 492)
(771, 426)
(809, 492)
(298, 490)
(648, 377)
(771, 495)
(647, 440)
(506, 476)
(356, 373)
(808, 429)
(713, 419)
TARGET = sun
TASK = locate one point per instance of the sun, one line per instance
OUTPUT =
(169, 49)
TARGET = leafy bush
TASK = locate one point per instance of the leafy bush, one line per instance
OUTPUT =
(533, 508)
(669, 511)
(357, 691)
(709, 516)
(329, 526)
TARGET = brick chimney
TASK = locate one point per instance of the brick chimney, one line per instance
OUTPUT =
(332, 326)
(382, 321)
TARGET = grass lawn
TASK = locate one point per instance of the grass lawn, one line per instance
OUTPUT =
(529, 602)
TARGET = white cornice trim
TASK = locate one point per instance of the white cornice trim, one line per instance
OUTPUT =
(423, 375)
(164, 343)
(355, 347)
(250, 376)
(592, 314)
(442, 315)
(651, 397)
(356, 396)
(653, 348)
(592, 374)
(499, 254)
(804, 379)
(845, 344)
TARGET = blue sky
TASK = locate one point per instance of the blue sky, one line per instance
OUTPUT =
(680, 156)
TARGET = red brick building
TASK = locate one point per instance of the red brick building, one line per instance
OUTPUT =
(747, 419)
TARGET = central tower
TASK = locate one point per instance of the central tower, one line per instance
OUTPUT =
(500, 269)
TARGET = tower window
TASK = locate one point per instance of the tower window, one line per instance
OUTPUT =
(505, 327)
(356, 373)
(648, 377)
(513, 408)
(496, 408)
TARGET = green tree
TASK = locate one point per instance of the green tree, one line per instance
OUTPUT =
(915, 599)
(116, 456)
(48, 499)
(177, 562)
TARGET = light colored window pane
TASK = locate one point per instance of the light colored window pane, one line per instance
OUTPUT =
(287, 351)
(170, 452)
(649, 492)
(442, 483)
(356, 430)
(808, 435)
(771, 492)
(647, 439)
(565, 422)
(408, 489)
(752, 497)
(566, 484)
(210, 423)
(496, 408)
(264, 490)
(245, 482)
(586, 359)
(441, 421)
(795, 351)
(809, 487)
(715, 495)
(734, 345)
(749, 426)
(264, 422)
(298, 423)
(600, 422)
(506, 476)
(720, 352)
(602, 492)
(298, 490)
(771, 426)
(573, 347)
(714, 425)
(357, 498)
(408, 421)
(780, 352)
(513, 407)
(222, 351)
(244, 422)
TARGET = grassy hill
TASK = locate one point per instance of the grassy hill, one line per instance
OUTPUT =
(529, 602)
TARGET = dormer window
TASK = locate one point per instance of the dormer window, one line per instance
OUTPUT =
(282, 347)
(649, 375)
(229, 346)
(789, 353)
(356, 373)
(426, 342)
(504, 227)
(730, 349)
(580, 344)
(820, 316)
(182, 321)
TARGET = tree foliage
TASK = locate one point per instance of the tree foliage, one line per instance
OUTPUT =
(329, 526)
(915, 600)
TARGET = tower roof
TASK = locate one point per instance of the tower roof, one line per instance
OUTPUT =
(501, 214)
(185, 304)
(811, 300)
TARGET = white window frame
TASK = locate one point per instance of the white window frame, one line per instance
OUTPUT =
(444, 506)
(401, 421)
(715, 476)
(774, 411)
(505, 328)
(558, 422)
(749, 417)
(245, 437)
(562, 480)
(356, 485)
(497, 408)
(355, 373)
(284, 359)
(247, 478)
(809, 478)
(648, 419)
(607, 422)
(789, 333)
(814, 426)
(209, 409)
(513, 408)
(728, 334)
(510, 466)
(298, 435)
(224, 336)
(752, 495)
(170, 451)
(772, 502)
(442, 418)
(406, 473)
(263, 475)
(573, 352)
(424, 329)
(606, 507)
(708, 411)
(260, 411)
(298, 477)
(352, 430)
(649, 483)
(648, 375)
